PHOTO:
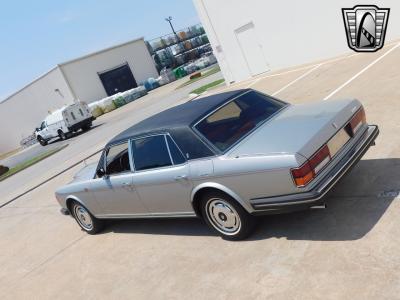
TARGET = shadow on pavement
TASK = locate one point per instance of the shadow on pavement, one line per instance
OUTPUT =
(75, 134)
(354, 206)
(178, 226)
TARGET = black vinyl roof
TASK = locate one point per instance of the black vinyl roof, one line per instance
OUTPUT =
(178, 118)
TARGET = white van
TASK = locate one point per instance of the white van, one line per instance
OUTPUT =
(63, 122)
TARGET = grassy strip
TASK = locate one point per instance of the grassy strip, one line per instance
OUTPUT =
(207, 86)
(213, 70)
(28, 163)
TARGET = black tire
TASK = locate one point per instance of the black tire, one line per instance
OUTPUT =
(85, 219)
(41, 141)
(62, 135)
(87, 127)
(226, 216)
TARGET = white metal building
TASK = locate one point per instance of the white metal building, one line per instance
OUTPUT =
(88, 78)
(254, 36)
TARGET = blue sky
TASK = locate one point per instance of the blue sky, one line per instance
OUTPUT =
(36, 35)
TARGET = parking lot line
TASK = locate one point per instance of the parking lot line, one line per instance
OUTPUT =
(361, 72)
(253, 81)
(296, 80)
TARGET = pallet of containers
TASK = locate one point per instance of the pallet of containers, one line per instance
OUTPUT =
(119, 101)
(187, 45)
(167, 75)
(190, 68)
(134, 94)
(204, 39)
(182, 35)
(151, 84)
(95, 109)
(107, 104)
(179, 72)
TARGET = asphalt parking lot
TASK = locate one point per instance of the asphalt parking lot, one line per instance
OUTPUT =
(348, 251)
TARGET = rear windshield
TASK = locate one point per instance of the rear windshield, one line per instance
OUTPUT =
(234, 120)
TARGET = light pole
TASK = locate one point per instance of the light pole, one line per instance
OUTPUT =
(169, 19)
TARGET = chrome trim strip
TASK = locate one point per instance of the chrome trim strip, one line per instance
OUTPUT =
(148, 216)
(179, 149)
(169, 150)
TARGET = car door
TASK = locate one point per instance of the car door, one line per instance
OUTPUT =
(44, 130)
(115, 192)
(161, 175)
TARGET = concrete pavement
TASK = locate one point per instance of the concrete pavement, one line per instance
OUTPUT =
(348, 251)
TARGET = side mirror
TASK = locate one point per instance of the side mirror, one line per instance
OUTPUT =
(100, 172)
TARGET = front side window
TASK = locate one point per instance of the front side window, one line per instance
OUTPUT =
(231, 122)
(81, 112)
(117, 159)
(73, 116)
(43, 125)
(150, 152)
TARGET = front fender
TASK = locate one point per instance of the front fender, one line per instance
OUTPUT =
(224, 189)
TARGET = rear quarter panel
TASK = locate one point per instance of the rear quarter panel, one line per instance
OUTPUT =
(255, 176)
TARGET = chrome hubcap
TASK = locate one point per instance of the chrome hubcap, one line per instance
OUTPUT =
(83, 217)
(223, 216)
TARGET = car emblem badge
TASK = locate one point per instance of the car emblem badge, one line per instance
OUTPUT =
(365, 27)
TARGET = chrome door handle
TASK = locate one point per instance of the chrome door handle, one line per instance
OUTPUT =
(181, 177)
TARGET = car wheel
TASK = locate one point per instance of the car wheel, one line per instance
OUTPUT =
(86, 127)
(226, 216)
(62, 135)
(85, 219)
(42, 141)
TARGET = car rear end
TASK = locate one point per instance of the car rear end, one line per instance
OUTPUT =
(325, 162)
(330, 152)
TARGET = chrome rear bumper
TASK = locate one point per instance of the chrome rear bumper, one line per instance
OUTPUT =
(290, 202)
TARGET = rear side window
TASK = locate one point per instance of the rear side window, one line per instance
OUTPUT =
(117, 159)
(227, 125)
(176, 154)
(150, 152)
(73, 116)
(81, 112)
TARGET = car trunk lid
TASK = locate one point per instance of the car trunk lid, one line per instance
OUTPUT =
(301, 129)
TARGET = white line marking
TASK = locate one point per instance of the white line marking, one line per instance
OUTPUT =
(361, 72)
(253, 83)
(257, 79)
(297, 79)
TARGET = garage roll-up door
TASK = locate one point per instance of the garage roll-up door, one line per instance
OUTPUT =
(118, 79)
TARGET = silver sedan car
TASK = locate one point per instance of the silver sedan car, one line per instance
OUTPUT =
(225, 158)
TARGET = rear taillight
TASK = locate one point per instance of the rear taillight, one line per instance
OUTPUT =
(307, 172)
(358, 120)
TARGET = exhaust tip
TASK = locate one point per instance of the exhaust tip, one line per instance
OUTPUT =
(320, 206)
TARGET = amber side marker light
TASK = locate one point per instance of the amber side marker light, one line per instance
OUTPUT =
(307, 172)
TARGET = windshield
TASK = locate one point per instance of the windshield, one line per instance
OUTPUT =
(237, 118)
